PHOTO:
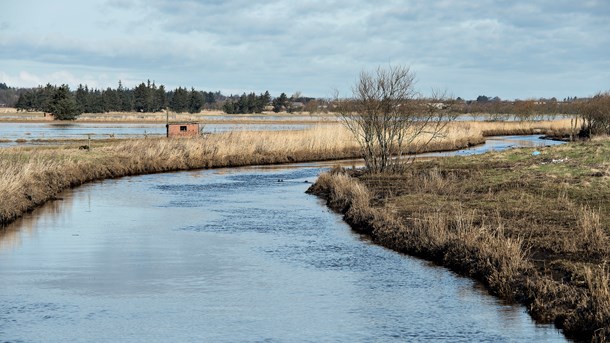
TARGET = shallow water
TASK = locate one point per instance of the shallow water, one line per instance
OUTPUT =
(10, 132)
(500, 143)
(231, 255)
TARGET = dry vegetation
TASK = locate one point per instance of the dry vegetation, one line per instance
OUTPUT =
(30, 176)
(533, 229)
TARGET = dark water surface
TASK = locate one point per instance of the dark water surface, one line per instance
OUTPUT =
(227, 256)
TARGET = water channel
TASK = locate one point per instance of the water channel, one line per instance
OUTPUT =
(228, 255)
(12, 134)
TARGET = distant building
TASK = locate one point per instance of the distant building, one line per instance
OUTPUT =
(182, 129)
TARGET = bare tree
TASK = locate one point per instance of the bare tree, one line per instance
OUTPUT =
(389, 120)
(595, 115)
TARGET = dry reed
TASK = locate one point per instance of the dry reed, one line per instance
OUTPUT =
(531, 230)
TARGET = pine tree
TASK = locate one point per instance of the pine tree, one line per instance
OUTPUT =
(195, 101)
(280, 103)
(180, 100)
(160, 101)
(125, 98)
(81, 97)
(140, 95)
(62, 104)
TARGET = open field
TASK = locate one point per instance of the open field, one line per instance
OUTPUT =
(532, 228)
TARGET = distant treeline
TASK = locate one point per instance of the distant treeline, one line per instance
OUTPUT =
(146, 97)
(518, 109)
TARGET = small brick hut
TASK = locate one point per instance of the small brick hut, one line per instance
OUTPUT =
(182, 129)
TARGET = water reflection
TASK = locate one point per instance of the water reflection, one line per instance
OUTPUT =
(232, 256)
(224, 256)
(26, 227)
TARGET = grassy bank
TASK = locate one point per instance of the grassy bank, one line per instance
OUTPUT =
(30, 176)
(533, 229)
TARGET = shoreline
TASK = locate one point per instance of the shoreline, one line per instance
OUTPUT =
(509, 265)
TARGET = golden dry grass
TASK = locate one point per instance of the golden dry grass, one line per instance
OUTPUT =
(29, 176)
(532, 229)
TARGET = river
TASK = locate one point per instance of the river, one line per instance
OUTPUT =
(228, 255)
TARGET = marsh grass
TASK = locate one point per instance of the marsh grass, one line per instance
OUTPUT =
(29, 176)
(533, 229)
(32, 175)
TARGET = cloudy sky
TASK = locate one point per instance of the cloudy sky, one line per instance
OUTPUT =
(510, 49)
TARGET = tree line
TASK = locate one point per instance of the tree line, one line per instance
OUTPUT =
(528, 109)
(146, 97)
(252, 103)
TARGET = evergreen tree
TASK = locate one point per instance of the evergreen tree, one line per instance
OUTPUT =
(62, 104)
(26, 102)
(111, 101)
(209, 98)
(195, 101)
(280, 103)
(81, 97)
(160, 101)
(229, 107)
(42, 98)
(180, 100)
(125, 98)
(95, 102)
(140, 98)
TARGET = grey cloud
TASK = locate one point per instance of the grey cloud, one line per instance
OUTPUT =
(323, 44)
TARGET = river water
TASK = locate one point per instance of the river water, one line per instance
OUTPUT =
(38, 133)
(228, 255)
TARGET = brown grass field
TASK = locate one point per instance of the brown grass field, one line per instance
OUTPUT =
(32, 175)
(533, 229)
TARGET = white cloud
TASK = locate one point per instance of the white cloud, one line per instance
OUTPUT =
(314, 46)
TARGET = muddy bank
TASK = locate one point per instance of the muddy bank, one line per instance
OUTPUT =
(499, 222)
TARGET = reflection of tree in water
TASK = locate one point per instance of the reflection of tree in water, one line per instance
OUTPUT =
(51, 212)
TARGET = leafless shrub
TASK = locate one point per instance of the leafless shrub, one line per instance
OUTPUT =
(388, 119)
(595, 115)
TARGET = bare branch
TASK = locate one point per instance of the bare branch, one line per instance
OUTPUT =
(388, 119)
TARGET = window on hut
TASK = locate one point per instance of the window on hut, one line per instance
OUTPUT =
(182, 128)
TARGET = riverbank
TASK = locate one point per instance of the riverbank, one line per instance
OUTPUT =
(33, 175)
(532, 227)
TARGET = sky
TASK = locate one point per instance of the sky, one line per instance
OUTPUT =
(511, 49)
